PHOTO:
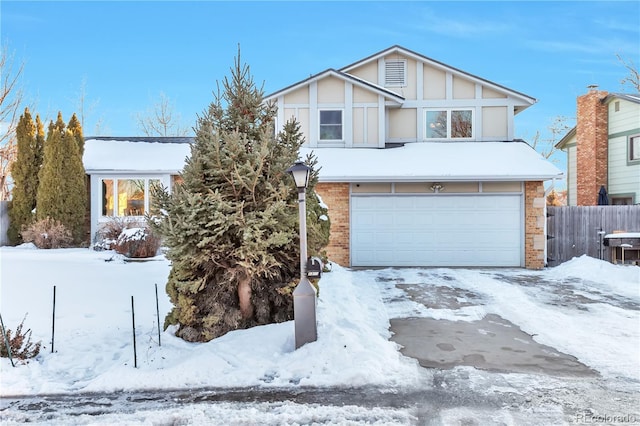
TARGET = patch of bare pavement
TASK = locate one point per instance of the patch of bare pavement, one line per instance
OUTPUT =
(492, 344)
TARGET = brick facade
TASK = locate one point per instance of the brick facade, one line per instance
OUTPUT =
(592, 147)
(534, 237)
(336, 197)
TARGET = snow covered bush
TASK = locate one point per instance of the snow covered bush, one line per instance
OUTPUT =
(110, 231)
(20, 343)
(137, 242)
(47, 234)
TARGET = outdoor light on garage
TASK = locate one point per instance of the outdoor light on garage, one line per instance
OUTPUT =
(304, 296)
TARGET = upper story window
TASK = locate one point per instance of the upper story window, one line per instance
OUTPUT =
(634, 148)
(331, 125)
(395, 72)
(449, 124)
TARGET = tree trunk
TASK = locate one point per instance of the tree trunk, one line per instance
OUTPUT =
(244, 296)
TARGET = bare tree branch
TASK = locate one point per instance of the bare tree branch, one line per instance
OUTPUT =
(11, 96)
(161, 120)
(85, 110)
(633, 78)
(547, 147)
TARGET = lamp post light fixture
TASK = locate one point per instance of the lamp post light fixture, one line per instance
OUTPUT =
(304, 295)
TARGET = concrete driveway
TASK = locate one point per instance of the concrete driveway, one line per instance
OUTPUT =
(489, 343)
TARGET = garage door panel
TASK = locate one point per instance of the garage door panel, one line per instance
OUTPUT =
(436, 230)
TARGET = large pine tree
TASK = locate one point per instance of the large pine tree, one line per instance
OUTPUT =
(231, 226)
(30, 138)
(62, 194)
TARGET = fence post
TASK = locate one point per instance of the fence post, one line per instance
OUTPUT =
(158, 315)
(133, 322)
(53, 319)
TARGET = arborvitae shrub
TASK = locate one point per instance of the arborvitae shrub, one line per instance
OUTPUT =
(20, 343)
(47, 234)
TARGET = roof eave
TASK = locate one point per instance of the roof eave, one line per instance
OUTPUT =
(528, 99)
(332, 72)
(131, 172)
(426, 178)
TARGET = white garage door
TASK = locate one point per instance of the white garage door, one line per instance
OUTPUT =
(470, 230)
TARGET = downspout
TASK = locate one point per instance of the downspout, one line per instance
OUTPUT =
(546, 193)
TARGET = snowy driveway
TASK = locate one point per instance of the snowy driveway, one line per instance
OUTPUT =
(515, 320)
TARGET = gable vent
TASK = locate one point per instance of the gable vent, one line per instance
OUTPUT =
(395, 72)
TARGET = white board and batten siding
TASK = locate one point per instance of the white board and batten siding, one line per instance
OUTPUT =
(437, 230)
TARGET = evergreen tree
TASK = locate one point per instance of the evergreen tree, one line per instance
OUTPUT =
(231, 226)
(62, 192)
(25, 174)
(76, 128)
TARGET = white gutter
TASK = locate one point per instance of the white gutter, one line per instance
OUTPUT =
(443, 178)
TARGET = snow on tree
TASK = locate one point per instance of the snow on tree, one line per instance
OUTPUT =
(231, 225)
(62, 194)
(30, 139)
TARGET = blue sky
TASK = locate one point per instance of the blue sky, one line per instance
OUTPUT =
(128, 53)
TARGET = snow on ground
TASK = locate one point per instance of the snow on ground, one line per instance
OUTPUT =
(585, 307)
(94, 340)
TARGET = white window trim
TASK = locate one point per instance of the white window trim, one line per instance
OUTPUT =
(320, 110)
(115, 180)
(449, 111)
(630, 150)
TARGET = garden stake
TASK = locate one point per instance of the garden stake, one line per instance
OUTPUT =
(6, 341)
(53, 320)
(158, 315)
(133, 320)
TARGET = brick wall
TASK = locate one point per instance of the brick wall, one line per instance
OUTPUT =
(336, 197)
(592, 140)
(534, 237)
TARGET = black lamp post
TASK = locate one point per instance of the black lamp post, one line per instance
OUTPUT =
(304, 296)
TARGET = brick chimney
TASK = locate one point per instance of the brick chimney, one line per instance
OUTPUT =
(592, 146)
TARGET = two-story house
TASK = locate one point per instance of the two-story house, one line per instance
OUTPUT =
(603, 149)
(419, 165)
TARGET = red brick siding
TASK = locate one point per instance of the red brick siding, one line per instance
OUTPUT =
(591, 154)
(534, 237)
(336, 197)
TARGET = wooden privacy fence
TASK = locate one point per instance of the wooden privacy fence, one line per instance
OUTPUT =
(575, 231)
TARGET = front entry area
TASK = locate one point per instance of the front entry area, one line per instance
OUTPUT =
(437, 230)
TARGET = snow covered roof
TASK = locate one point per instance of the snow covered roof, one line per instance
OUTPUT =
(135, 155)
(446, 161)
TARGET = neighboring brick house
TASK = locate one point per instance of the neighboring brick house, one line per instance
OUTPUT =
(603, 149)
(419, 164)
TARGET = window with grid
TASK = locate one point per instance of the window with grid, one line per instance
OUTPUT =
(449, 124)
(330, 125)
